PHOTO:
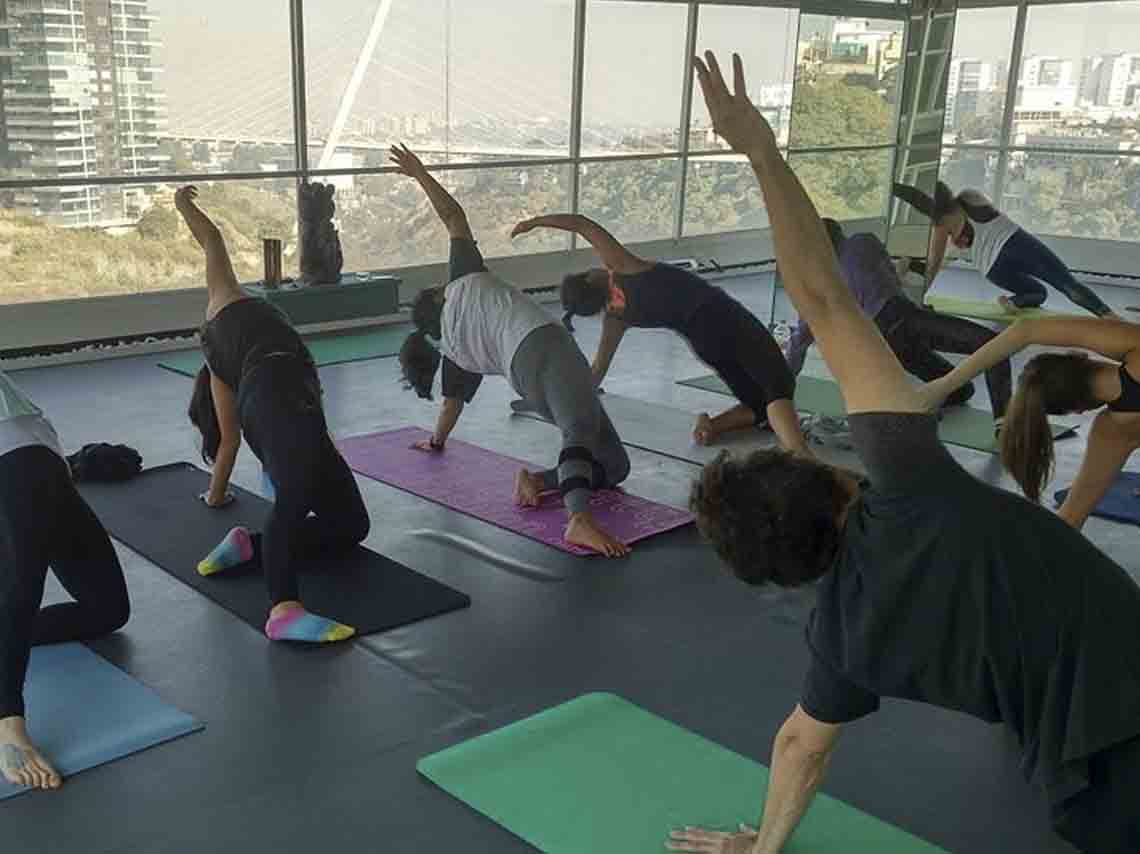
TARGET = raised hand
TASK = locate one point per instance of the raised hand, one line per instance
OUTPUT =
(185, 195)
(523, 227)
(735, 118)
(712, 841)
(427, 445)
(407, 162)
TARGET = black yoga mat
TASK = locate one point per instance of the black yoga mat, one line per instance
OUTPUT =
(158, 514)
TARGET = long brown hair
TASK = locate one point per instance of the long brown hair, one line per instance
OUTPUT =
(204, 416)
(1051, 384)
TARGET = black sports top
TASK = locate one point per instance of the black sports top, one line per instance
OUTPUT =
(663, 296)
(244, 334)
(1129, 400)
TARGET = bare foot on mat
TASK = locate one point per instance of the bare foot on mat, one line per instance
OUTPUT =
(584, 531)
(528, 487)
(20, 762)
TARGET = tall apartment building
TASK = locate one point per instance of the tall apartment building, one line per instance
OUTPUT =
(1047, 82)
(971, 89)
(1111, 80)
(78, 98)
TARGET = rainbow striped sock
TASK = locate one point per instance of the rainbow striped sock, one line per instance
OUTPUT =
(235, 549)
(297, 624)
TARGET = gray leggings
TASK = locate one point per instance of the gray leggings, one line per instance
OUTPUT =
(554, 378)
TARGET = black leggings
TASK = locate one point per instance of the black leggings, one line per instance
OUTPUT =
(915, 334)
(317, 508)
(733, 342)
(44, 522)
(1025, 262)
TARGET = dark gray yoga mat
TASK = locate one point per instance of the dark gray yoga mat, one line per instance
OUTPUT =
(158, 514)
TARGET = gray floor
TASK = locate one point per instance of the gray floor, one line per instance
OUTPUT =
(316, 749)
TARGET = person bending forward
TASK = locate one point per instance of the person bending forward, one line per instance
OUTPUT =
(44, 523)
(259, 381)
(993, 607)
(723, 333)
(486, 326)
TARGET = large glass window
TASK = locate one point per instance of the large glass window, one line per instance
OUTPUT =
(466, 80)
(634, 199)
(847, 81)
(765, 38)
(152, 251)
(979, 75)
(845, 184)
(722, 194)
(635, 61)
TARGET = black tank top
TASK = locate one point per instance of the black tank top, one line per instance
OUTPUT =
(1129, 400)
(244, 334)
(663, 296)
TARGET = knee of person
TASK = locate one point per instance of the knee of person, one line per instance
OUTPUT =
(361, 524)
(118, 613)
(620, 470)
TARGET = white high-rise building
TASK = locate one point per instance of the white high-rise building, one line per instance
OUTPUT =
(1047, 82)
(968, 79)
(1111, 80)
(78, 98)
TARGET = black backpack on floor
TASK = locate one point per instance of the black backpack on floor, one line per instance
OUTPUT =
(105, 462)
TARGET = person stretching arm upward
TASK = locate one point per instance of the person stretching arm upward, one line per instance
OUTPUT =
(1061, 383)
(721, 331)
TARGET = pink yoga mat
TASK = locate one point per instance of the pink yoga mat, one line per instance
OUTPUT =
(480, 483)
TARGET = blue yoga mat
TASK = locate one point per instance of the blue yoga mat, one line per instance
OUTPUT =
(84, 711)
(1120, 503)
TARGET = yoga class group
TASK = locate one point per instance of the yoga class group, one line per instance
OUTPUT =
(930, 585)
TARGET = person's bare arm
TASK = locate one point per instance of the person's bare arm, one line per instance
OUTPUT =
(869, 375)
(225, 407)
(800, 756)
(939, 237)
(785, 423)
(611, 252)
(613, 328)
(221, 282)
(449, 412)
(1115, 339)
(1110, 445)
(449, 211)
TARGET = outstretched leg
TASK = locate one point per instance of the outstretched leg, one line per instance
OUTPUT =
(1037, 261)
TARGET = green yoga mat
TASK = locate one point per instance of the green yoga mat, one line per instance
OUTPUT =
(983, 310)
(960, 425)
(326, 349)
(600, 774)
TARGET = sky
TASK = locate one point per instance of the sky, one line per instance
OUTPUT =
(227, 61)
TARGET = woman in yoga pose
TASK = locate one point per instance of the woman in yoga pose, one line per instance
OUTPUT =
(931, 585)
(259, 381)
(1060, 383)
(44, 523)
(484, 325)
(1006, 254)
(914, 335)
(724, 334)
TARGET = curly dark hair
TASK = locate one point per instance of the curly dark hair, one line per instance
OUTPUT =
(771, 516)
(419, 360)
(581, 297)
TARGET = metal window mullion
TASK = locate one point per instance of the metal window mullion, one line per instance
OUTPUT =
(300, 120)
(576, 95)
(1015, 58)
(686, 118)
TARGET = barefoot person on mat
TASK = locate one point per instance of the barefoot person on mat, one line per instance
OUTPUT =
(915, 335)
(486, 326)
(259, 381)
(1061, 383)
(931, 585)
(1006, 254)
(44, 524)
(724, 334)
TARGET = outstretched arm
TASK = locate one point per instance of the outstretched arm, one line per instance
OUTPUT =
(613, 254)
(221, 282)
(869, 375)
(613, 328)
(800, 756)
(1110, 446)
(229, 424)
(449, 413)
(936, 254)
(1114, 339)
(449, 211)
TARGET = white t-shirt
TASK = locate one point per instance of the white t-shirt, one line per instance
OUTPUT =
(22, 423)
(485, 320)
(990, 238)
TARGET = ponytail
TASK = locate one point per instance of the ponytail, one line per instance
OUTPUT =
(203, 415)
(944, 202)
(1026, 439)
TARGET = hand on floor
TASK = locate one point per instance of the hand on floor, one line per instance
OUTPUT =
(712, 841)
(226, 499)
